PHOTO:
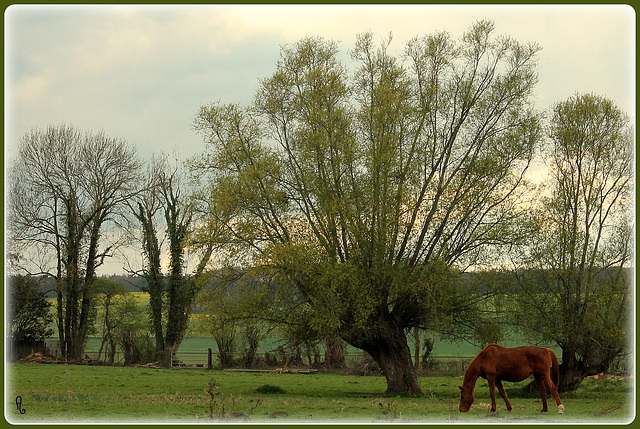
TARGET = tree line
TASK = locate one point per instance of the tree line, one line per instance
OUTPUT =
(350, 200)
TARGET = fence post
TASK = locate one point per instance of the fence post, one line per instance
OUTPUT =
(209, 359)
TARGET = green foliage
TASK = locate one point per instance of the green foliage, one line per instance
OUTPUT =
(131, 330)
(487, 332)
(28, 310)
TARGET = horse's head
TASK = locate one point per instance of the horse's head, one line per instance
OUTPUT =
(466, 399)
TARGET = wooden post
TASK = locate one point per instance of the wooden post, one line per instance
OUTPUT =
(209, 359)
(416, 336)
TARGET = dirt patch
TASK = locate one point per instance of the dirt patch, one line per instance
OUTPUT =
(613, 375)
(38, 358)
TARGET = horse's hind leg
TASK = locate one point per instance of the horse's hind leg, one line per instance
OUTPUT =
(554, 392)
(504, 394)
(543, 393)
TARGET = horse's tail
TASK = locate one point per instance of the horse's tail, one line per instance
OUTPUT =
(555, 368)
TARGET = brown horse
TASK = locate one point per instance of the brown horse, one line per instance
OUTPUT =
(497, 364)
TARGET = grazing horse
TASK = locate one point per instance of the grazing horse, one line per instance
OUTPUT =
(497, 364)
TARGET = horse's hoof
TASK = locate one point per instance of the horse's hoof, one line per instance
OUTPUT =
(560, 409)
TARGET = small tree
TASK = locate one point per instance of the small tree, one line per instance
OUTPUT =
(108, 297)
(223, 316)
(30, 314)
(131, 330)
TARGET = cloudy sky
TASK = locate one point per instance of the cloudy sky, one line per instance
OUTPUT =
(141, 73)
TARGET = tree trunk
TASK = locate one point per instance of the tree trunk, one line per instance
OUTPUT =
(154, 289)
(178, 313)
(166, 358)
(59, 310)
(570, 378)
(89, 277)
(334, 353)
(71, 348)
(153, 275)
(390, 349)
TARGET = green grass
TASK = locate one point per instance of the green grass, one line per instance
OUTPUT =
(70, 393)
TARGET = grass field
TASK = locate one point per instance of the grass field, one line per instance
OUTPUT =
(75, 393)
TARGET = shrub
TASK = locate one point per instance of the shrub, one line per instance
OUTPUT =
(269, 388)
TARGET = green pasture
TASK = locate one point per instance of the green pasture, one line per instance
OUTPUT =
(56, 393)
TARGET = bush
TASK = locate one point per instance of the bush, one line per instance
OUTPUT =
(269, 388)
(428, 361)
(28, 309)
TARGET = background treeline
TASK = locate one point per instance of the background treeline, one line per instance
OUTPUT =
(249, 340)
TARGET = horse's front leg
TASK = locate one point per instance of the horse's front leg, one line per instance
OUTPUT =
(492, 392)
(503, 393)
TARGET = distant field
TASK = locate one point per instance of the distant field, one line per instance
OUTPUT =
(193, 350)
(442, 347)
(75, 393)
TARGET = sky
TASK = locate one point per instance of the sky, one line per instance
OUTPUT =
(141, 73)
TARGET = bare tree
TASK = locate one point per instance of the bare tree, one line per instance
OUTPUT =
(65, 188)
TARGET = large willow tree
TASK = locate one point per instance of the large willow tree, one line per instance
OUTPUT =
(364, 188)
